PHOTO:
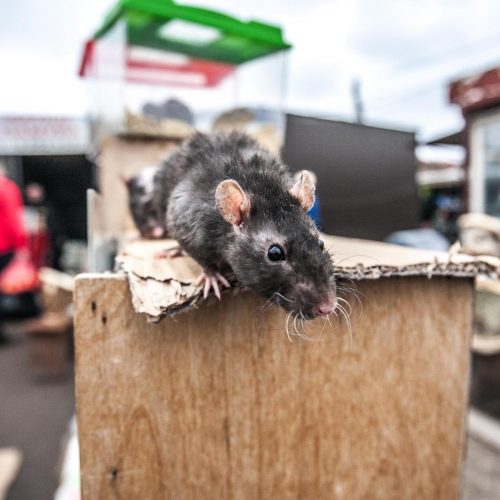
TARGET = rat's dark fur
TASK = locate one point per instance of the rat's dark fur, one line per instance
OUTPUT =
(302, 281)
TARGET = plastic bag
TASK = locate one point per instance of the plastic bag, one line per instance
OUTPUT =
(19, 276)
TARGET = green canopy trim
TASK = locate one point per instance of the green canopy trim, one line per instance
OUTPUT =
(193, 31)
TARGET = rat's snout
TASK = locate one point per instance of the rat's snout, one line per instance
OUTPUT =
(324, 309)
(327, 306)
(157, 232)
(313, 301)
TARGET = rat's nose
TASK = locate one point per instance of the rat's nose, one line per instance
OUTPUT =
(157, 232)
(325, 308)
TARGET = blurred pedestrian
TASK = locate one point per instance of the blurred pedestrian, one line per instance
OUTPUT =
(46, 232)
(36, 224)
(13, 239)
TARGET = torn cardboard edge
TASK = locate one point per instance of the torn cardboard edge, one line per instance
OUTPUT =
(165, 287)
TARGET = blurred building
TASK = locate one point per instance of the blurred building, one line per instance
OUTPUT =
(441, 193)
(366, 175)
(51, 152)
(479, 99)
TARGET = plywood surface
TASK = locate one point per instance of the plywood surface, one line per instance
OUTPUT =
(218, 404)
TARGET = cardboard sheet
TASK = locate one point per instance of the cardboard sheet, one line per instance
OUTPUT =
(162, 286)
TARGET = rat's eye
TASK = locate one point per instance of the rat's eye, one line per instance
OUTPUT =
(276, 253)
(321, 244)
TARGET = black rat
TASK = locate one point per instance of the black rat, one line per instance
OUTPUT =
(236, 210)
(146, 201)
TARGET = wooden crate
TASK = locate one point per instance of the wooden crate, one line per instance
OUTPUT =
(218, 404)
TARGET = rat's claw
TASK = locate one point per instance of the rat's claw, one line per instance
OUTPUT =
(223, 280)
(210, 280)
(216, 288)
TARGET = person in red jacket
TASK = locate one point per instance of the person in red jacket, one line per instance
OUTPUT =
(13, 238)
(12, 233)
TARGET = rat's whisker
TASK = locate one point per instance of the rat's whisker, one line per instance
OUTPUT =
(345, 302)
(351, 288)
(287, 326)
(328, 319)
(301, 335)
(322, 330)
(353, 256)
(283, 297)
(337, 317)
(267, 304)
(348, 321)
(295, 325)
(351, 293)
(345, 279)
(303, 322)
(301, 319)
(342, 312)
(350, 330)
(348, 288)
(303, 326)
(346, 316)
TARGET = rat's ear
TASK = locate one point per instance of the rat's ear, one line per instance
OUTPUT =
(303, 190)
(232, 202)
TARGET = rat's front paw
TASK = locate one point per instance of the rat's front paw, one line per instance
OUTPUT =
(211, 279)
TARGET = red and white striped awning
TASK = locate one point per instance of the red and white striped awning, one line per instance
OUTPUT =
(150, 66)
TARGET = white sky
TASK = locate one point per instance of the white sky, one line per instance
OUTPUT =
(404, 51)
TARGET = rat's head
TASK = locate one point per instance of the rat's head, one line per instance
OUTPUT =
(275, 249)
(142, 205)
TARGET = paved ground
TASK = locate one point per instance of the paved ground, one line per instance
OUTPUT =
(482, 472)
(33, 417)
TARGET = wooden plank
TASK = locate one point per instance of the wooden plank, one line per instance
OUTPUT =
(218, 404)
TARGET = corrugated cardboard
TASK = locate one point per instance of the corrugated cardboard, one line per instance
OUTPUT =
(162, 286)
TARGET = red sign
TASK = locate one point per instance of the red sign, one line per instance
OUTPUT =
(27, 135)
(477, 92)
